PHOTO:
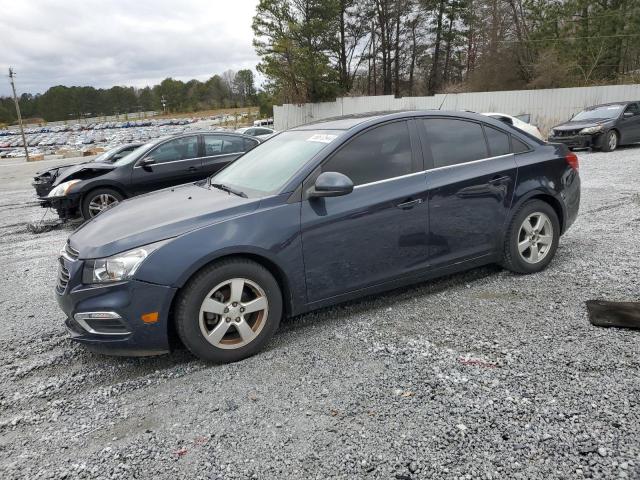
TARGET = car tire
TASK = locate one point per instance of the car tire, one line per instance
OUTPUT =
(211, 315)
(98, 200)
(610, 141)
(530, 246)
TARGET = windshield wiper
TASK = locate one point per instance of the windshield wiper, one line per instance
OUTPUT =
(224, 188)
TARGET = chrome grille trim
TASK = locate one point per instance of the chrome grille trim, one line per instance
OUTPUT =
(70, 252)
(63, 278)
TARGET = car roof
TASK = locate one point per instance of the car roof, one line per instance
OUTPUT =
(348, 122)
(593, 107)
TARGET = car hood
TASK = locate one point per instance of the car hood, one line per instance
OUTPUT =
(62, 173)
(580, 124)
(157, 216)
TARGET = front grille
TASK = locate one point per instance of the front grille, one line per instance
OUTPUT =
(63, 278)
(566, 133)
(71, 252)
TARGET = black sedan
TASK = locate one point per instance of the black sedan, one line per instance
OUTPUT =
(90, 188)
(44, 182)
(601, 127)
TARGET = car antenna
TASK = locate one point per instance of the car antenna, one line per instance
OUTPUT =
(443, 100)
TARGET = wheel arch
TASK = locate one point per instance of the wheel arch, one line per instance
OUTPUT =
(270, 265)
(547, 198)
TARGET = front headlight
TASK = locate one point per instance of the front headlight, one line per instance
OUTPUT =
(591, 130)
(62, 189)
(121, 266)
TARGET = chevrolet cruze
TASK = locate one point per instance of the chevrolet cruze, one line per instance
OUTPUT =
(316, 215)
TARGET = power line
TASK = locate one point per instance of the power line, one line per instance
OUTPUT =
(557, 39)
(15, 100)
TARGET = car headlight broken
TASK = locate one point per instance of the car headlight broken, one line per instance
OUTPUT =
(591, 130)
(62, 189)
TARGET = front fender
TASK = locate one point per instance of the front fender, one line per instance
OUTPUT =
(271, 233)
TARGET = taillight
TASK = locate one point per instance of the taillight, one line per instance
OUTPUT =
(572, 160)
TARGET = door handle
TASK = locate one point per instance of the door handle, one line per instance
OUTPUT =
(409, 204)
(500, 179)
(192, 169)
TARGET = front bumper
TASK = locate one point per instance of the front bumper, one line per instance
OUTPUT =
(579, 141)
(67, 207)
(129, 300)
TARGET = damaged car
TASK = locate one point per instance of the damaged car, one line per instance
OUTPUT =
(44, 182)
(601, 127)
(88, 189)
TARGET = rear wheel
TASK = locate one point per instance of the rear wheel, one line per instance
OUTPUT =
(610, 142)
(228, 311)
(532, 238)
(99, 200)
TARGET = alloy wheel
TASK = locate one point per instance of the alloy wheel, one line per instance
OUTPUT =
(613, 141)
(233, 313)
(535, 237)
(101, 202)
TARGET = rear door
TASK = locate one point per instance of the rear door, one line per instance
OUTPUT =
(220, 150)
(176, 161)
(377, 232)
(471, 175)
(630, 124)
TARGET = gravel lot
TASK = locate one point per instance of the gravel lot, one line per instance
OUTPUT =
(478, 375)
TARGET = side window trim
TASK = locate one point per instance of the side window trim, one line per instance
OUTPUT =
(141, 159)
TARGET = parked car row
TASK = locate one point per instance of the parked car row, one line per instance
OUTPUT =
(314, 216)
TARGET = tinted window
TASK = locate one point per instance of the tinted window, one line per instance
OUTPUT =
(250, 131)
(498, 141)
(179, 149)
(222, 145)
(249, 144)
(519, 146)
(380, 153)
(455, 141)
(262, 131)
(633, 108)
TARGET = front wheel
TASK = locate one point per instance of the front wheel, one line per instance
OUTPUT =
(610, 142)
(228, 311)
(532, 238)
(99, 200)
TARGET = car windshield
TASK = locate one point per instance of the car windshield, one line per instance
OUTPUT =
(137, 153)
(106, 156)
(268, 167)
(606, 111)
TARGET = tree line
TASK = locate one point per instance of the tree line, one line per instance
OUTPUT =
(315, 50)
(231, 89)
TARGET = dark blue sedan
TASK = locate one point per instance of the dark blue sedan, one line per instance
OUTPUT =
(317, 215)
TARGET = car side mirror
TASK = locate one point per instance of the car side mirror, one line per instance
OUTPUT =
(147, 162)
(627, 114)
(331, 184)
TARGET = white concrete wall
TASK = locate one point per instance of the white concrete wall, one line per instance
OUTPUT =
(547, 107)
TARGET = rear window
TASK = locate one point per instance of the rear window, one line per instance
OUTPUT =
(455, 141)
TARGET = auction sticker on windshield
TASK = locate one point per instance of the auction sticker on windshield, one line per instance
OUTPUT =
(322, 138)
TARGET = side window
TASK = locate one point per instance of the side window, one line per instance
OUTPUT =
(455, 141)
(251, 131)
(498, 141)
(262, 131)
(381, 153)
(179, 149)
(633, 108)
(232, 145)
(212, 145)
(249, 144)
(519, 146)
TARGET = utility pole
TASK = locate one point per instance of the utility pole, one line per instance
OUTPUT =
(15, 100)
(164, 105)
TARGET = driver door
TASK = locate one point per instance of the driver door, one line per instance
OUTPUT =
(376, 233)
(175, 161)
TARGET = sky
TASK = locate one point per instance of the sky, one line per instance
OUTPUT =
(118, 42)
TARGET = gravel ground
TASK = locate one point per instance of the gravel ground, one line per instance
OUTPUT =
(479, 375)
